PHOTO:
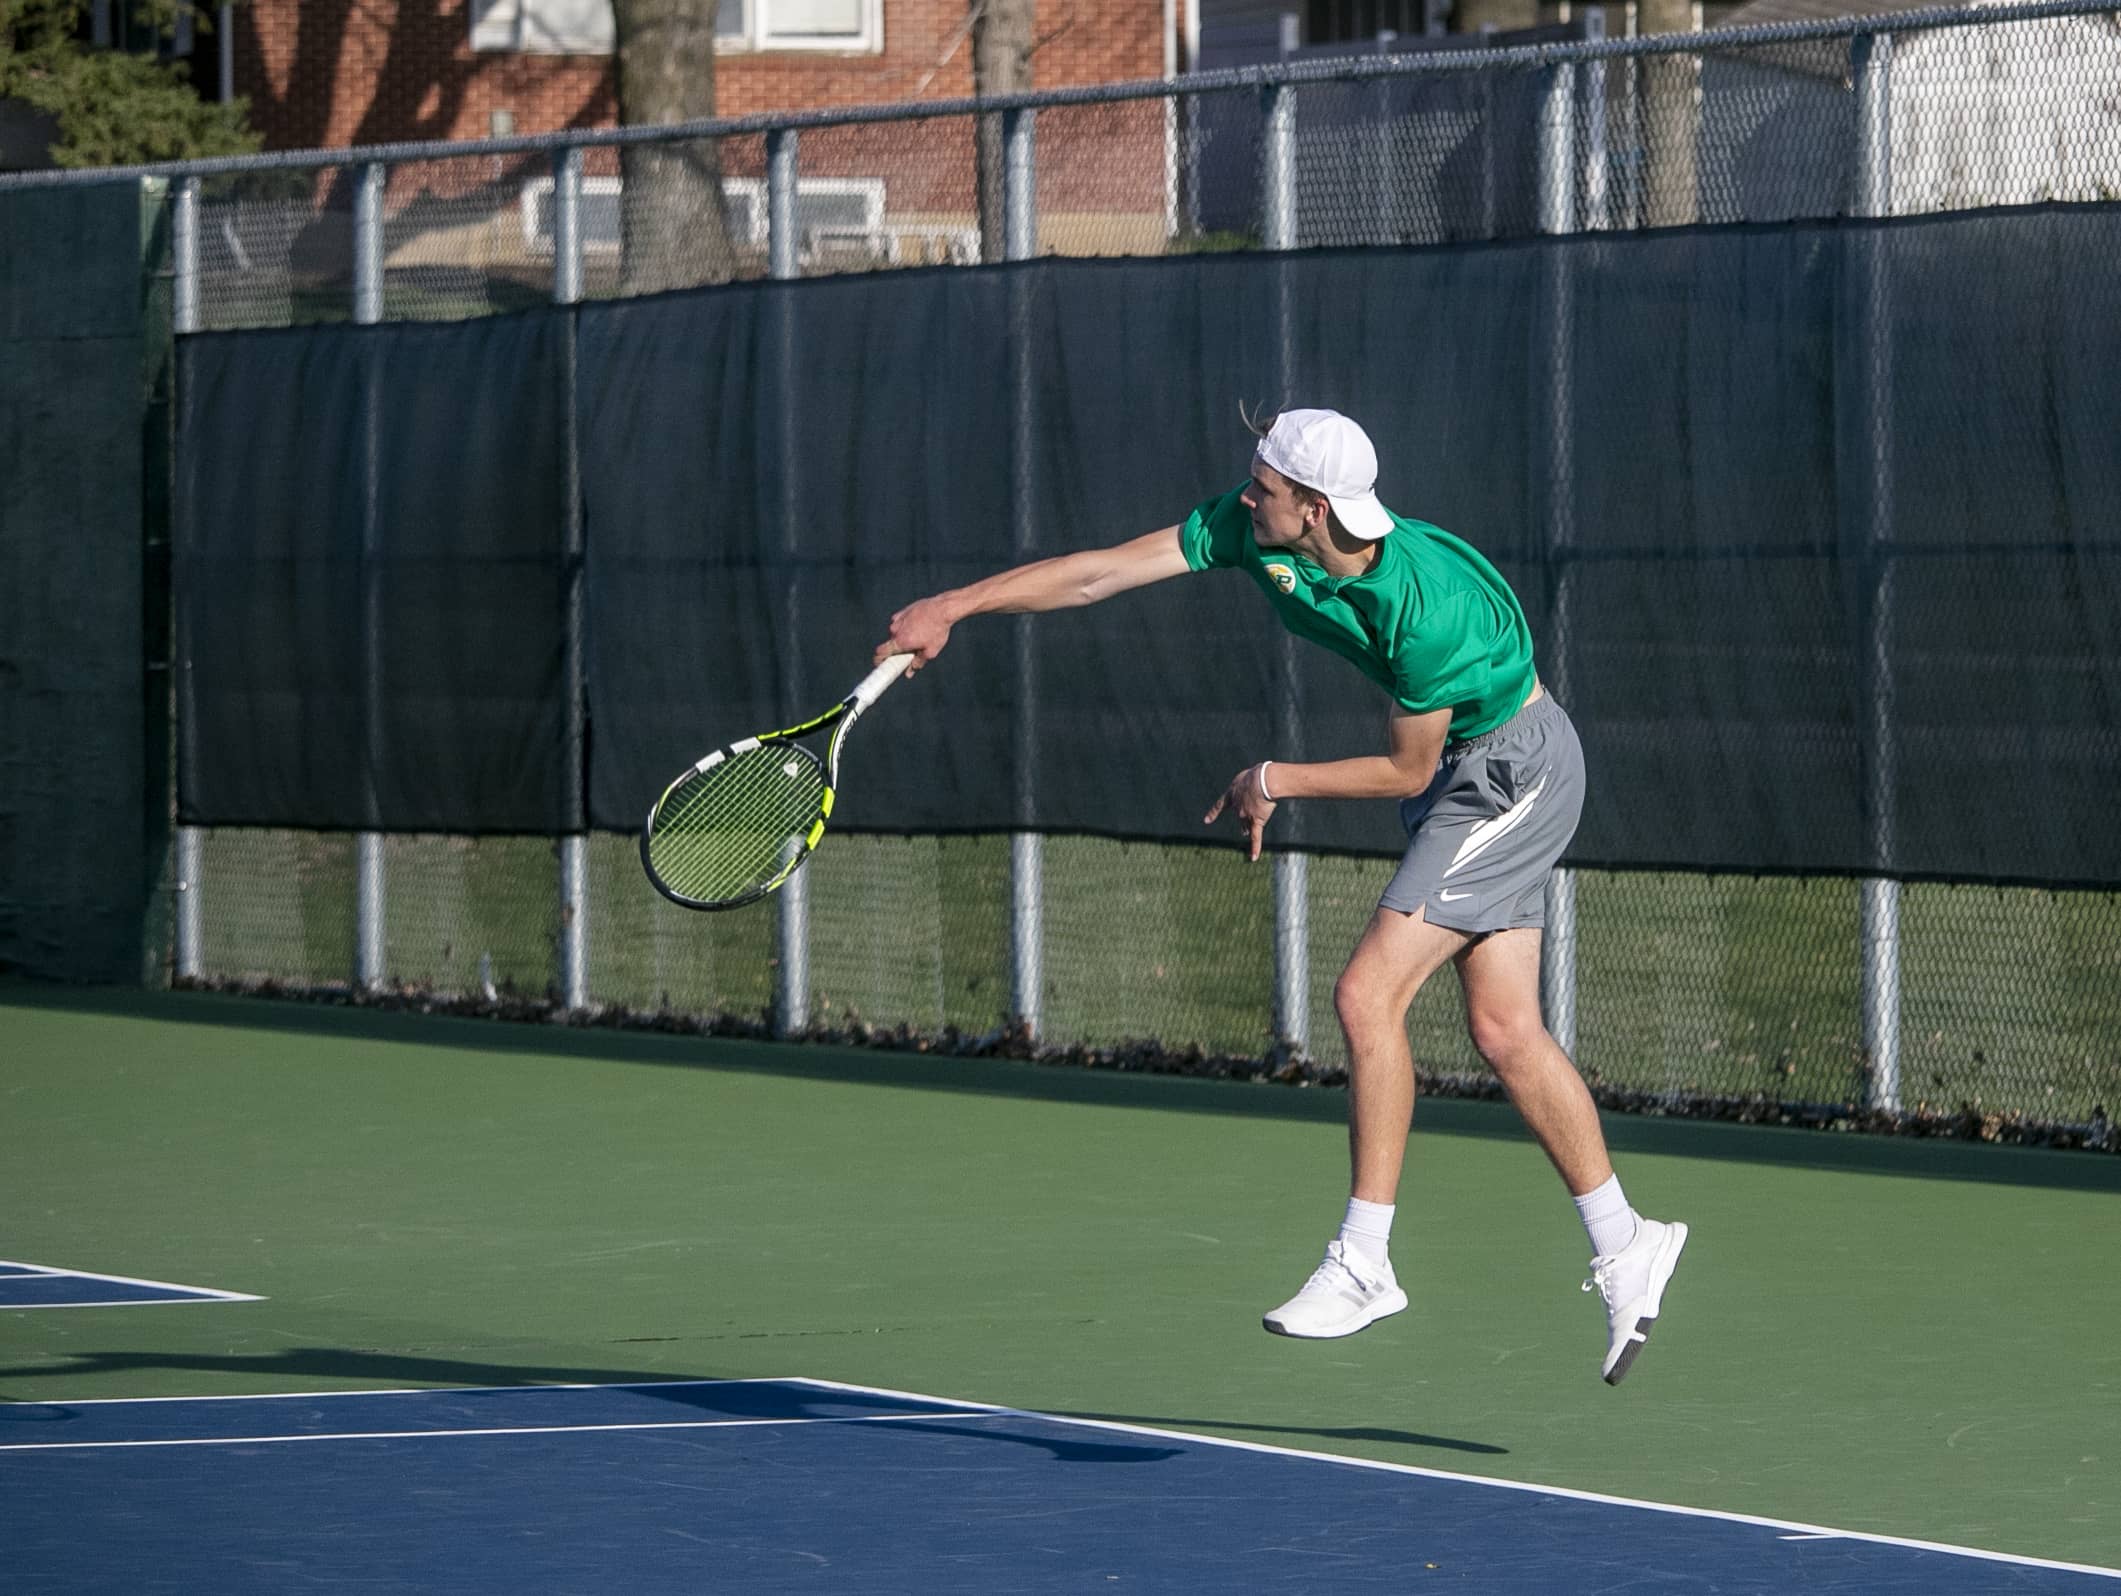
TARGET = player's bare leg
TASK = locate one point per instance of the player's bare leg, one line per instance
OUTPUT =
(1397, 954)
(1355, 1286)
(1633, 1258)
(1500, 974)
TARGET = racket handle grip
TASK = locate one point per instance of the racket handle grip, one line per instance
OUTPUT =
(872, 686)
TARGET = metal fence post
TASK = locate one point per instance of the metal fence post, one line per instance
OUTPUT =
(1871, 57)
(184, 245)
(791, 927)
(1557, 151)
(369, 180)
(225, 33)
(1278, 169)
(1558, 147)
(1170, 103)
(1019, 184)
(1593, 124)
(191, 840)
(1292, 878)
(1292, 953)
(782, 254)
(567, 227)
(1027, 850)
(574, 844)
(367, 311)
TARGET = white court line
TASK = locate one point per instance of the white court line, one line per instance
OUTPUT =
(119, 1302)
(196, 1293)
(954, 1408)
(1819, 1531)
(525, 1429)
(416, 1390)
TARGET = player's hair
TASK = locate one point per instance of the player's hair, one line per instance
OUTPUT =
(1259, 423)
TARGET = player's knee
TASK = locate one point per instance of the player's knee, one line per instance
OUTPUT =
(1364, 1006)
(1504, 1036)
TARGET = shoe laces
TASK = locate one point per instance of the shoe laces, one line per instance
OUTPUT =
(1335, 1270)
(1601, 1280)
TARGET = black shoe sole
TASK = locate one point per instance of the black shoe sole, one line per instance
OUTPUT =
(1632, 1352)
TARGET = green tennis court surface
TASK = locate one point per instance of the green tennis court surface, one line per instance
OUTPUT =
(1914, 1340)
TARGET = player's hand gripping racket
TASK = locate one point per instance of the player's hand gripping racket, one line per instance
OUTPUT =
(743, 820)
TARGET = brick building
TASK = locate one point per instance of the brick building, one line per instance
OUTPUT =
(332, 73)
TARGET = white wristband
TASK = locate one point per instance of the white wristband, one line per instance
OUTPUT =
(1261, 772)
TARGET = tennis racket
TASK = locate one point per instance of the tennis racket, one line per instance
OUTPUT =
(742, 821)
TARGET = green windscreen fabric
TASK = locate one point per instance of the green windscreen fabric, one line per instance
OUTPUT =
(370, 578)
(74, 810)
(1818, 528)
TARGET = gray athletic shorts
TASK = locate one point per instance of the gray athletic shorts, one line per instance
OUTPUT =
(1488, 832)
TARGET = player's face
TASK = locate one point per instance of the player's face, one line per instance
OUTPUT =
(1279, 517)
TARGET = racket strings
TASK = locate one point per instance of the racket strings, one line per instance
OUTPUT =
(736, 827)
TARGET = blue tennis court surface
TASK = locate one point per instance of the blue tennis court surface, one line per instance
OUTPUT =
(801, 1485)
(24, 1285)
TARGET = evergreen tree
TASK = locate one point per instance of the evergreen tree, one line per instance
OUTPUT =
(113, 107)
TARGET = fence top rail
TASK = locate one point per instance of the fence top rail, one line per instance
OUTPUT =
(1331, 70)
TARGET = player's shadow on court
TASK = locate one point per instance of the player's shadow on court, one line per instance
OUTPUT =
(1362, 1432)
(1062, 1451)
(736, 1399)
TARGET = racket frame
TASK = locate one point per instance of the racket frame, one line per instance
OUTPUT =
(841, 717)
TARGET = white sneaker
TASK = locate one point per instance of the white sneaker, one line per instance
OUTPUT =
(1632, 1281)
(1344, 1294)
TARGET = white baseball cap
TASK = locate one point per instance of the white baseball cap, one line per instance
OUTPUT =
(1325, 451)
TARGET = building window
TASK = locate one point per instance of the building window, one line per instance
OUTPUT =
(804, 24)
(584, 27)
(1358, 21)
(543, 27)
(836, 218)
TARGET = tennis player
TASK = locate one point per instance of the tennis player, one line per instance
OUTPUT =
(1489, 778)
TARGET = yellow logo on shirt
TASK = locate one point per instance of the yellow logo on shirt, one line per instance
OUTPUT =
(1284, 578)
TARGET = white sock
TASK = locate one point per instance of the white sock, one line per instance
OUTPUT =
(1368, 1229)
(1608, 1218)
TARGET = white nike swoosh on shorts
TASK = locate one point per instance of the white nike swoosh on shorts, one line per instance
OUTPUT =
(1452, 897)
(1490, 832)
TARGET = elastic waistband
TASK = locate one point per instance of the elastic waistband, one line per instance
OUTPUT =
(1530, 715)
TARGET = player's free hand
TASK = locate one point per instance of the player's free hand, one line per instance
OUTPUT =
(920, 629)
(1249, 807)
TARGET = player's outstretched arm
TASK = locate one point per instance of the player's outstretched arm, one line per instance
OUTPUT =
(922, 628)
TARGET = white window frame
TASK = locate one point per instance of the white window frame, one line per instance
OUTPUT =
(747, 213)
(758, 34)
(752, 194)
(537, 191)
(500, 27)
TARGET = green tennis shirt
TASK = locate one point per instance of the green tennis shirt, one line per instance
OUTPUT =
(1431, 622)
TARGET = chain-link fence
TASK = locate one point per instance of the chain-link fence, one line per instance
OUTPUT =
(1976, 1008)
(1916, 113)
(1737, 996)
